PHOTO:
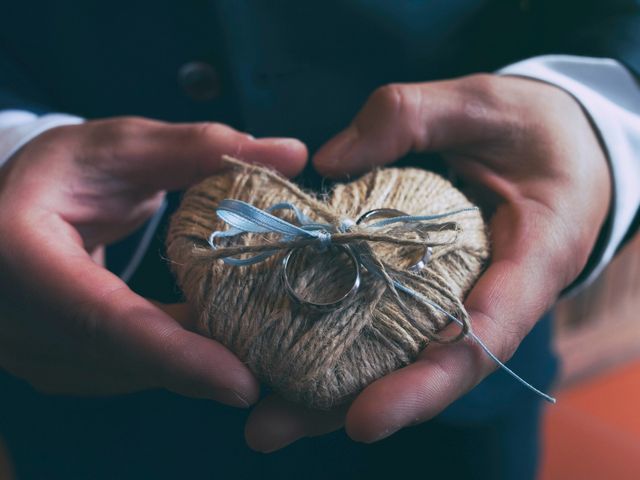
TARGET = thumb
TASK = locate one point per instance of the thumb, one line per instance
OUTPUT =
(180, 312)
(402, 118)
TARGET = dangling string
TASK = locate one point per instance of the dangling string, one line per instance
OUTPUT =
(245, 218)
(477, 339)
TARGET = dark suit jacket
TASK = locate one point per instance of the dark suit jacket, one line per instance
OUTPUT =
(280, 60)
(278, 68)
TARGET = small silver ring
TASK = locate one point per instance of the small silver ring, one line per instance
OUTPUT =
(420, 264)
(380, 213)
(390, 213)
(328, 306)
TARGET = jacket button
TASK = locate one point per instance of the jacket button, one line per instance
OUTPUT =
(200, 81)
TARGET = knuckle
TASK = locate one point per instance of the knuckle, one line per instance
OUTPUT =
(210, 131)
(481, 85)
(123, 126)
(134, 123)
(391, 99)
(482, 98)
(486, 89)
(397, 107)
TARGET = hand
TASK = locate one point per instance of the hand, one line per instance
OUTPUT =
(531, 154)
(67, 325)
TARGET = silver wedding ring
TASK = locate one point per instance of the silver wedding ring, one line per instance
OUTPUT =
(321, 306)
(390, 213)
(343, 300)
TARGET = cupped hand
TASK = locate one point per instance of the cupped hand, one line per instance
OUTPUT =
(67, 325)
(532, 156)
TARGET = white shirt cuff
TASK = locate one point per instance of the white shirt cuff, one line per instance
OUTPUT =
(610, 95)
(18, 127)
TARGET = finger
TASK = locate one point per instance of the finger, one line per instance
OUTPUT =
(119, 327)
(157, 350)
(398, 119)
(164, 156)
(275, 423)
(513, 293)
(181, 313)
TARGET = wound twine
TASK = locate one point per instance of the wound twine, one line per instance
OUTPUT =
(226, 245)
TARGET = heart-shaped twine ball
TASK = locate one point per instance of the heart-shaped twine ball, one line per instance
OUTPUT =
(324, 358)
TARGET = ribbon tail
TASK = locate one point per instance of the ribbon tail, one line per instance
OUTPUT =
(479, 341)
(518, 378)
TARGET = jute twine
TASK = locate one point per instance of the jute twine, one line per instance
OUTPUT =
(323, 359)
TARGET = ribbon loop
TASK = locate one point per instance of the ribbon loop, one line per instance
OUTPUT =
(248, 218)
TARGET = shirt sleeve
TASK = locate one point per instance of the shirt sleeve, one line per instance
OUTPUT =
(610, 96)
(18, 127)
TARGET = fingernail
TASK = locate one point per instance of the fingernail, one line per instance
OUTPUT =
(231, 397)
